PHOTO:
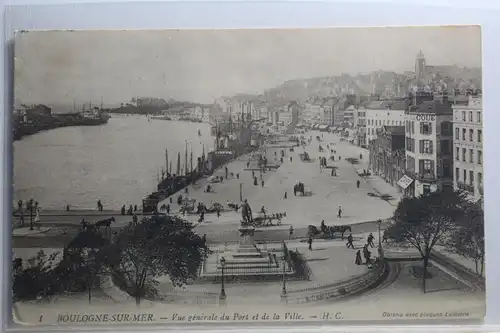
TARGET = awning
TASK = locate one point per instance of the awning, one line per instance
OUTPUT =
(405, 181)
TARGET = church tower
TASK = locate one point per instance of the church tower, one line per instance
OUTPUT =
(420, 66)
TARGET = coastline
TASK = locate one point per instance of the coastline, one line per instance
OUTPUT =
(23, 130)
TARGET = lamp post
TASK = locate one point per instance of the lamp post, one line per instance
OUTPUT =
(222, 296)
(380, 250)
(283, 289)
(30, 207)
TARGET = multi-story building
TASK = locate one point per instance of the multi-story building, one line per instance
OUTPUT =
(387, 154)
(327, 113)
(359, 125)
(429, 143)
(468, 146)
(382, 113)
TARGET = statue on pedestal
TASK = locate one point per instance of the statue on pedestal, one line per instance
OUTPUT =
(246, 214)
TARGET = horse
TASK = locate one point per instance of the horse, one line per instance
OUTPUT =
(341, 229)
(104, 223)
(312, 231)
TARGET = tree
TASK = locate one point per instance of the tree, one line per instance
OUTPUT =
(160, 245)
(468, 241)
(34, 278)
(84, 259)
(426, 221)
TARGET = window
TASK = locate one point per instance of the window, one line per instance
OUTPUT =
(465, 176)
(446, 147)
(463, 116)
(457, 133)
(471, 134)
(464, 132)
(471, 177)
(464, 152)
(479, 157)
(479, 135)
(478, 116)
(413, 127)
(425, 146)
(457, 153)
(471, 156)
(425, 128)
(457, 174)
(427, 166)
(480, 179)
(447, 128)
(470, 117)
(447, 170)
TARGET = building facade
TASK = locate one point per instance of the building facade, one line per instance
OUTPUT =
(429, 143)
(383, 113)
(387, 154)
(468, 147)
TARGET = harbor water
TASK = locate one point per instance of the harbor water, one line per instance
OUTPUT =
(117, 163)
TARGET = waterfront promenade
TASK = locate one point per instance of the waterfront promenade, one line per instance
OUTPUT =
(328, 193)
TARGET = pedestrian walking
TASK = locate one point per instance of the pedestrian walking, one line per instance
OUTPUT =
(340, 157)
(358, 260)
(21, 218)
(218, 212)
(20, 205)
(37, 218)
(135, 208)
(310, 242)
(349, 242)
(358, 183)
(290, 232)
(339, 214)
(134, 218)
(237, 176)
(255, 181)
(384, 237)
(262, 183)
(370, 239)
(168, 209)
(290, 158)
(99, 205)
(285, 196)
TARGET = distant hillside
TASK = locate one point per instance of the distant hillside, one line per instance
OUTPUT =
(378, 82)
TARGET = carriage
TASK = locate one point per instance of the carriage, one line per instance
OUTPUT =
(265, 220)
(304, 157)
(328, 231)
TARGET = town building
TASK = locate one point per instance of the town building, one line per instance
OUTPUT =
(387, 154)
(359, 126)
(328, 111)
(429, 143)
(382, 113)
(468, 147)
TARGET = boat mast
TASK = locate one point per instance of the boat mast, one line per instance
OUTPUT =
(166, 161)
(186, 160)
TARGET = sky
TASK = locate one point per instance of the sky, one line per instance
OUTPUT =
(59, 67)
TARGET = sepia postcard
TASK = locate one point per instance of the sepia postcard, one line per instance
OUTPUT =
(247, 176)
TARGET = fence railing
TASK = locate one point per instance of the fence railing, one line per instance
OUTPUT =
(326, 291)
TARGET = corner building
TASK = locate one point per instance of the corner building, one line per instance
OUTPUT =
(429, 143)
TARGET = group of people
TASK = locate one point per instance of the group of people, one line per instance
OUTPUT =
(31, 207)
(366, 252)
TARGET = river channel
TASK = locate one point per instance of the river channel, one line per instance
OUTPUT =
(117, 163)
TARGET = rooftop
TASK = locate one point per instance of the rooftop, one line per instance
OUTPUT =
(435, 107)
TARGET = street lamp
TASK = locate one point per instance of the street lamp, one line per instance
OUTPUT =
(222, 296)
(30, 207)
(283, 289)
(380, 250)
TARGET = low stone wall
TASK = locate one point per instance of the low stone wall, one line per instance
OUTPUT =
(340, 289)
